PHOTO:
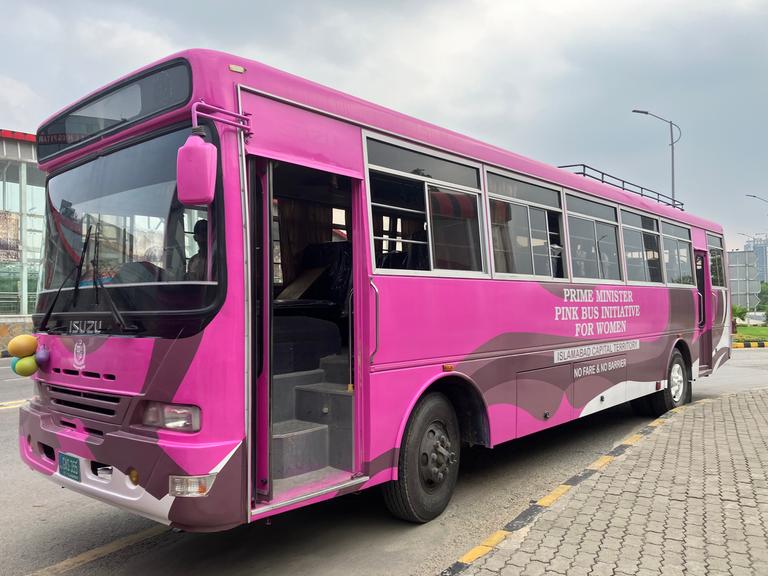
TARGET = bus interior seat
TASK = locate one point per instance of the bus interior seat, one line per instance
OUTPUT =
(301, 341)
(418, 254)
(296, 289)
(396, 260)
(414, 257)
(321, 291)
(335, 281)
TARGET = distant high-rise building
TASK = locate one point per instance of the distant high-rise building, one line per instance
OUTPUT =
(759, 245)
(742, 278)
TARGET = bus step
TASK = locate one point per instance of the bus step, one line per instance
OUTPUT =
(329, 403)
(284, 391)
(336, 368)
(298, 447)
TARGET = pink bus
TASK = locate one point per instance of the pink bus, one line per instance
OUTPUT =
(259, 293)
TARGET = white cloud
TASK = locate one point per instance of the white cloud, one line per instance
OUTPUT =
(118, 46)
(554, 79)
(19, 104)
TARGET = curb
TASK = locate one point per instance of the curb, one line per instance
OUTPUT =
(522, 521)
(750, 344)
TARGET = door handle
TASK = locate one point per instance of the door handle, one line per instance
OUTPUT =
(376, 321)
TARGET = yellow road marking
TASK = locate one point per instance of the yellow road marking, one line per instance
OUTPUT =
(634, 439)
(12, 404)
(657, 422)
(474, 554)
(484, 547)
(600, 463)
(100, 552)
(552, 497)
(678, 409)
(494, 539)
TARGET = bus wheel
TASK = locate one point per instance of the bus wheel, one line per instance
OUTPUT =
(678, 390)
(428, 465)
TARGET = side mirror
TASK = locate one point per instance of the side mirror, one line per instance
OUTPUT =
(196, 170)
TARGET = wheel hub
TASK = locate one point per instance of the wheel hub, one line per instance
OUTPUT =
(435, 456)
(676, 382)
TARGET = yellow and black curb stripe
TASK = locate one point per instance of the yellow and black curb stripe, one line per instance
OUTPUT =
(749, 345)
(527, 516)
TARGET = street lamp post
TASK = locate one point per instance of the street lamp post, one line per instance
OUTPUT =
(672, 141)
(755, 196)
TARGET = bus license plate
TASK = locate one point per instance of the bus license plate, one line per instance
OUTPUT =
(69, 466)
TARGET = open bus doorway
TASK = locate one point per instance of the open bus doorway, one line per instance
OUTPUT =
(704, 293)
(311, 390)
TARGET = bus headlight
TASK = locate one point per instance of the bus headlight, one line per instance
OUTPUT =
(171, 416)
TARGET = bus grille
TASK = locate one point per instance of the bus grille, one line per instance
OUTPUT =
(95, 405)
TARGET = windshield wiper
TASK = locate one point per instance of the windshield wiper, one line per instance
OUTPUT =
(44, 322)
(99, 284)
(79, 268)
(76, 291)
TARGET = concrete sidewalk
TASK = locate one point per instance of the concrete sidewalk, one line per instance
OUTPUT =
(690, 497)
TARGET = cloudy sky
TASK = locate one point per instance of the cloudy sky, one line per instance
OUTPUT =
(553, 80)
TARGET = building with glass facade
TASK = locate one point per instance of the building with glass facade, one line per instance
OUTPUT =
(759, 245)
(22, 211)
(743, 278)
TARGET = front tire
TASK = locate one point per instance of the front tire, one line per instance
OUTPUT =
(428, 466)
(678, 390)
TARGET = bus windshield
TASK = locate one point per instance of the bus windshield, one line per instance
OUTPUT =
(141, 235)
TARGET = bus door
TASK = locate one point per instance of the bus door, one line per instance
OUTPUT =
(704, 309)
(303, 398)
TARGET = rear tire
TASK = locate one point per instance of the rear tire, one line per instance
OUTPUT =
(428, 465)
(678, 390)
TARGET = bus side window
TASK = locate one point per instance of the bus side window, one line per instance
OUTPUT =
(715, 244)
(526, 240)
(678, 262)
(641, 247)
(455, 227)
(399, 222)
(594, 239)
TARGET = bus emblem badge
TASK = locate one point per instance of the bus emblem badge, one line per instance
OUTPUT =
(79, 358)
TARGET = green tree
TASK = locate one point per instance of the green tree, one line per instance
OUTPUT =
(739, 312)
(763, 305)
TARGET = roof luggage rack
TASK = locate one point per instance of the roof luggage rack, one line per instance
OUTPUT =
(605, 178)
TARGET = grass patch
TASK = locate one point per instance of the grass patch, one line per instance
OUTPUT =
(753, 333)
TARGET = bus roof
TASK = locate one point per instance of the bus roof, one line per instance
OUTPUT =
(215, 67)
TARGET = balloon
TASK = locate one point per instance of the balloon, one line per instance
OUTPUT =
(26, 366)
(14, 360)
(42, 356)
(22, 345)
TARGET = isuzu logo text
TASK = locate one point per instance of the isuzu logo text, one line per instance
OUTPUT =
(84, 326)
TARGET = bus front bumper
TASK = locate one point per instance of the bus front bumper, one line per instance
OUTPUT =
(132, 471)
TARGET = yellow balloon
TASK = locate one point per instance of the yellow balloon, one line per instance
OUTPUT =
(23, 345)
(26, 366)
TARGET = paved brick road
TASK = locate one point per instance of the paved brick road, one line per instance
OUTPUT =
(690, 498)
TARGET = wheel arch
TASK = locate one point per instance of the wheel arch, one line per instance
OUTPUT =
(682, 347)
(468, 403)
(685, 351)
